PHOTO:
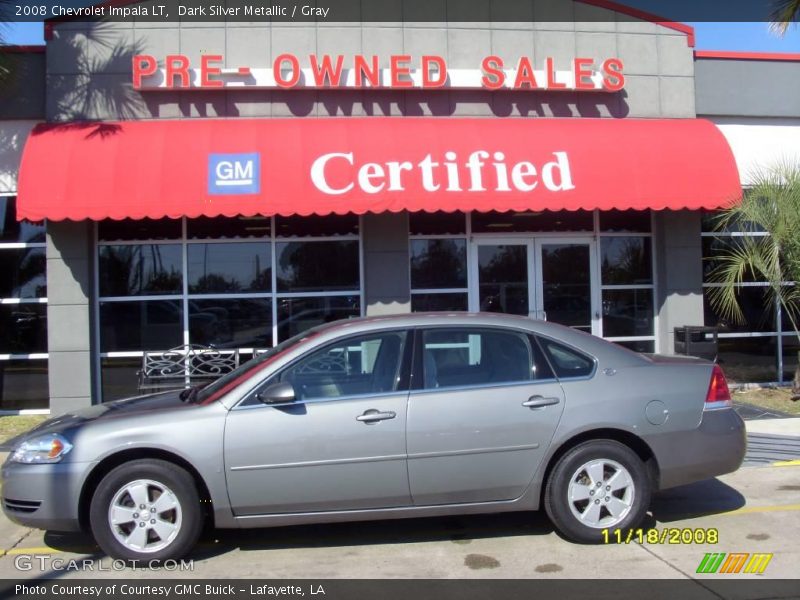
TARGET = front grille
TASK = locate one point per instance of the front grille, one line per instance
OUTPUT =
(23, 506)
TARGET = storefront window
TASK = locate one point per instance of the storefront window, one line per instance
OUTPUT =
(748, 349)
(626, 261)
(437, 223)
(625, 221)
(627, 313)
(120, 377)
(139, 270)
(243, 283)
(229, 268)
(439, 263)
(442, 247)
(639, 346)
(23, 312)
(217, 228)
(231, 323)
(439, 302)
(22, 273)
(295, 315)
(317, 266)
(129, 230)
(532, 221)
(315, 226)
(23, 384)
(13, 231)
(141, 325)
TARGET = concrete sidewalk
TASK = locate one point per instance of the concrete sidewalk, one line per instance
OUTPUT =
(784, 427)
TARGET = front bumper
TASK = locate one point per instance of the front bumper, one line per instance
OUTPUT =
(44, 496)
(717, 446)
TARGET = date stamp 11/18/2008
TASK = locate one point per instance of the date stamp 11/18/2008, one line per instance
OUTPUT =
(667, 535)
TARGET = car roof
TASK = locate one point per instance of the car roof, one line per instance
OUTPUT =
(599, 348)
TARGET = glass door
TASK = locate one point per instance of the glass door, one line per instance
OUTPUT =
(566, 276)
(502, 270)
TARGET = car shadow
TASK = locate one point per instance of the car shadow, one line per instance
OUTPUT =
(685, 502)
(460, 529)
(694, 500)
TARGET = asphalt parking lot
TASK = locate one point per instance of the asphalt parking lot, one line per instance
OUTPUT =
(755, 510)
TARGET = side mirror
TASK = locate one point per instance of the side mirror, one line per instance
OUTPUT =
(277, 393)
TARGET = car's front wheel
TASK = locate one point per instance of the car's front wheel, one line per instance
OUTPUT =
(146, 510)
(600, 484)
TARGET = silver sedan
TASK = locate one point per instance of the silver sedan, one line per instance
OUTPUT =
(385, 417)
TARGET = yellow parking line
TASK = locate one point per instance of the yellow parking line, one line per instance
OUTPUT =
(786, 463)
(37, 550)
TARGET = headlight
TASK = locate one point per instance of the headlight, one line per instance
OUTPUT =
(43, 449)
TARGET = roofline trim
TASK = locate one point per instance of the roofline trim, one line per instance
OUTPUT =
(687, 30)
(734, 55)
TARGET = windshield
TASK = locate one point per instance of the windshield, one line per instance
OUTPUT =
(215, 389)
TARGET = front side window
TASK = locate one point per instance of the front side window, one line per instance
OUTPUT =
(368, 364)
(463, 357)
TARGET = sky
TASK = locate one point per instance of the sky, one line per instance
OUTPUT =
(753, 37)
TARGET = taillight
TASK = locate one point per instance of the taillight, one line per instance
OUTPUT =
(718, 396)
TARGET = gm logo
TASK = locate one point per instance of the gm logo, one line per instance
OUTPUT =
(234, 173)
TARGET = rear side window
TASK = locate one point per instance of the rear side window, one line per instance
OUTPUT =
(464, 357)
(566, 361)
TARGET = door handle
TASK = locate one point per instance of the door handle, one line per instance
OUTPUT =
(540, 401)
(373, 416)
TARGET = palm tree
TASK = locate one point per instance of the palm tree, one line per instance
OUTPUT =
(5, 11)
(771, 208)
(784, 13)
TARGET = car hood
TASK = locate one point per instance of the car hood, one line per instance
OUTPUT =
(164, 401)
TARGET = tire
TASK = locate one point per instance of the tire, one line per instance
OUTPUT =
(577, 473)
(174, 518)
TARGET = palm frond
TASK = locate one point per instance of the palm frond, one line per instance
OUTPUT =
(784, 13)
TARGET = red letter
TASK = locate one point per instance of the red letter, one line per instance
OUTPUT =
(427, 81)
(326, 70)
(397, 70)
(143, 65)
(493, 75)
(581, 66)
(206, 70)
(525, 74)
(614, 80)
(278, 75)
(363, 71)
(177, 64)
(552, 84)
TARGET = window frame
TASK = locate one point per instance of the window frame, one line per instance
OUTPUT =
(593, 359)
(417, 385)
(403, 387)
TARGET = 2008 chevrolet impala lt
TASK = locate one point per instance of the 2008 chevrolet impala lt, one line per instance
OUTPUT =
(385, 417)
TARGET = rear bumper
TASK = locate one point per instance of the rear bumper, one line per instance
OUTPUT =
(43, 496)
(717, 446)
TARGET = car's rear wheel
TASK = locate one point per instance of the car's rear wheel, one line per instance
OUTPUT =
(146, 510)
(600, 484)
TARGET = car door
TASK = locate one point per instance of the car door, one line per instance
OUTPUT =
(486, 410)
(339, 446)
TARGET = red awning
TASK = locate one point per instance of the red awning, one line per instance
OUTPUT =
(299, 166)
